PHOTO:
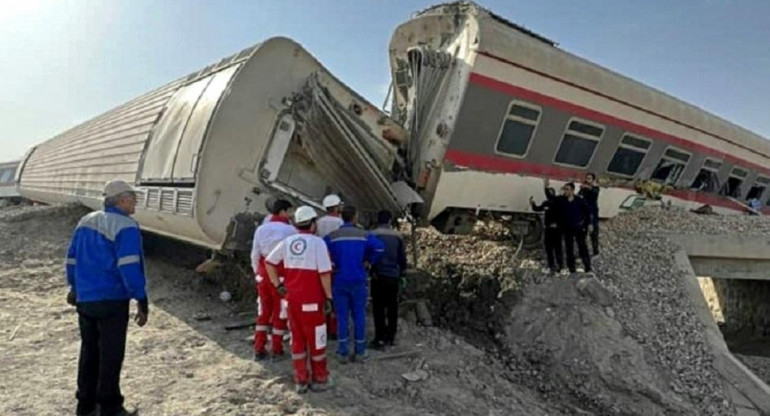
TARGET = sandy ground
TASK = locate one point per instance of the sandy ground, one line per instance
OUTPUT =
(177, 365)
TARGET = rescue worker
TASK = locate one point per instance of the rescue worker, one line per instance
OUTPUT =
(352, 251)
(331, 221)
(105, 270)
(553, 232)
(326, 224)
(589, 191)
(575, 218)
(272, 309)
(307, 286)
(387, 273)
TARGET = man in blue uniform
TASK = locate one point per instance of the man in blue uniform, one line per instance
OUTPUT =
(387, 273)
(353, 250)
(105, 270)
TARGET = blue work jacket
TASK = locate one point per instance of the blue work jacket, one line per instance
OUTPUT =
(349, 247)
(105, 259)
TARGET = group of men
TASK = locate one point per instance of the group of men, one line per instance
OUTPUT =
(318, 268)
(568, 219)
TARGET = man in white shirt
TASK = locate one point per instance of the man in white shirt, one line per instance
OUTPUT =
(272, 309)
(331, 221)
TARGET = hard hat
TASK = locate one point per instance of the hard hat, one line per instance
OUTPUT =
(304, 214)
(331, 200)
(116, 187)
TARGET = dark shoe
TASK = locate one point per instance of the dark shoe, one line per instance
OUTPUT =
(321, 387)
(260, 356)
(377, 345)
(391, 343)
(278, 357)
(94, 412)
(301, 388)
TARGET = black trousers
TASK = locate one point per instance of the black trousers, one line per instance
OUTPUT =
(553, 248)
(577, 236)
(595, 234)
(103, 327)
(385, 308)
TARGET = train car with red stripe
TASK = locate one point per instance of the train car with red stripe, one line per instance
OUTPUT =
(493, 109)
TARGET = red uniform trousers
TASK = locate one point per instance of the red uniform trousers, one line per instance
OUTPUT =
(269, 314)
(308, 333)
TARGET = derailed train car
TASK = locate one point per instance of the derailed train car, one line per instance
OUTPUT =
(207, 151)
(493, 108)
(9, 195)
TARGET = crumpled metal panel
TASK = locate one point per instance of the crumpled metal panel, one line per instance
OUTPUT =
(343, 151)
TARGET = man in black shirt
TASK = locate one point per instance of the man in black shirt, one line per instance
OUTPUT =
(589, 191)
(575, 218)
(553, 234)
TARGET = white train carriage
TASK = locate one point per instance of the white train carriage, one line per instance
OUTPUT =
(493, 108)
(208, 150)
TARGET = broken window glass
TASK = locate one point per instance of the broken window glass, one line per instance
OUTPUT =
(706, 181)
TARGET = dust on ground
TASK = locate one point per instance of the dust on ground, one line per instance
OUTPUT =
(510, 339)
(177, 365)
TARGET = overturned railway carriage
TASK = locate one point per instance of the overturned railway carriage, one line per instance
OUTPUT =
(8, 192)
(207, 151)
(493, 108)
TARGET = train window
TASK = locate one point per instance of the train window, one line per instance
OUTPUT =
(707, 179)
(6, 175)
(579, 143)
(629, 155)
(671, 166)
(518, 129)
(732, 187)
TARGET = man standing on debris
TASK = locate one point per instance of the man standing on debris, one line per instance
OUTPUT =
(589, 191)
(307, 287)
(272, 309)
(387, 273)
(352, 251)
(327, 224)
(105, 270)
(575, 216)
(553, 232)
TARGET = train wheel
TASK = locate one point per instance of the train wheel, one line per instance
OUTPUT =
(530, 228)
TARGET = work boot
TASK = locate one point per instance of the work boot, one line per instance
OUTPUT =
(301, 388)
(391, 343)
(322, 387)
(260, 356)
(377, 345)
(277, 357)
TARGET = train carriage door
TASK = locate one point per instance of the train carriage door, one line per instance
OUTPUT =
(172, 154)
(188, 152)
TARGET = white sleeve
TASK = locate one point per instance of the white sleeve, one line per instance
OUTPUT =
(276, 256)
(255, 251)
(323, 262)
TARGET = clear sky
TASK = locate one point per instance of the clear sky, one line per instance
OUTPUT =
(65, 61)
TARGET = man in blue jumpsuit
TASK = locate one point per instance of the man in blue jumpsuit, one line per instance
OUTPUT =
(105, 270)
(352, 250)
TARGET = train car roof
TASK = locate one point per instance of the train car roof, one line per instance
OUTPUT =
(506, 40)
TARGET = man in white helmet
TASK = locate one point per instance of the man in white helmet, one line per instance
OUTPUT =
(328, 224)
(332, 221)
(307, 286)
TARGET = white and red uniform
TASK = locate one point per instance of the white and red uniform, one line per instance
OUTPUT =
(272, 310)
(305, 258)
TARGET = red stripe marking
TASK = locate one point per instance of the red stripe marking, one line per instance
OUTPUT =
(493, 163)
(617, 100)
(590, 114)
